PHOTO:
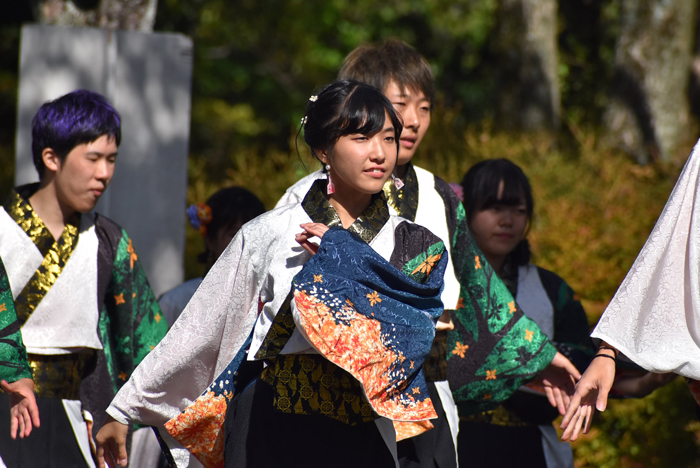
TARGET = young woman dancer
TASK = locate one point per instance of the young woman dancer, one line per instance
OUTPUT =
(343, 325)
(499, 205)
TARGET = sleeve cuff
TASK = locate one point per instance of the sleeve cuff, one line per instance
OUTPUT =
(118, 415)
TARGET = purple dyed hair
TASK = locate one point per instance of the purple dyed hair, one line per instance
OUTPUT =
(71, 120)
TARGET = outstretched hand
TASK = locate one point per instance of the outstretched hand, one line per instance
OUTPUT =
(310, 230)
(24, 413)
(557, 382)
(592, 389)
(111, 443)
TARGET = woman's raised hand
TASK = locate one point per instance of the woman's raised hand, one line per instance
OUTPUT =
(310, 230)
(111, 443)
(592, 389)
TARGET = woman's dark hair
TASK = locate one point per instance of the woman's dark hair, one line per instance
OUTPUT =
(346, 107)
(230, 207)
(480, 192)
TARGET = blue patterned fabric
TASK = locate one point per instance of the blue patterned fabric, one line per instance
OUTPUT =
(372, 319)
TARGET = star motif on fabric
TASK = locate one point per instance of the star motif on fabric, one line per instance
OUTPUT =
(132, 255)
(491, 374)
(460, 349)
(460, 303)
(158, 318)
(487, 396)
(123, 376)
(528, 335)
(477, 261)
(511, 307)
(3, 307)
(318, 278)
(119, 299)
(374, 298)
(349, 303)
(427, 265)
(412, 364)
(415, 390)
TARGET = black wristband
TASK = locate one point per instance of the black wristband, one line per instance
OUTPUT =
(605, 356)
(610, 348)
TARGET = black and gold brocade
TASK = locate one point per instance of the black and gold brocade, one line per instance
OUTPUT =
(60, 375)
(367, 225)
(404, 201)
(310, 384)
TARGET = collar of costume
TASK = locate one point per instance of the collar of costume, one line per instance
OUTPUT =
(56, 252)
(404, 200)
(366, 226)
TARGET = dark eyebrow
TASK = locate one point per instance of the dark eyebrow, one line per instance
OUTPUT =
(100, 153)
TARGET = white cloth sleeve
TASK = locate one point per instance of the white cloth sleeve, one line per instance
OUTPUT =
(654, 318)
(211, 329)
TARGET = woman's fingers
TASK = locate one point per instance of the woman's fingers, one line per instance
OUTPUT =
(315, 229)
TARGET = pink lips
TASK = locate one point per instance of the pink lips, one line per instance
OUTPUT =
(377, 175)
(408, 142)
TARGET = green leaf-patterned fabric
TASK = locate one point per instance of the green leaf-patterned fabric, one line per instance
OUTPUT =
(495, 348)
(13, 355)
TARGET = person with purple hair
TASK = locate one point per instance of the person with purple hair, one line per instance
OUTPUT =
(86, 312)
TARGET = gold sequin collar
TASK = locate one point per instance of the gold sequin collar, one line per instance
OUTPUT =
(404, 200)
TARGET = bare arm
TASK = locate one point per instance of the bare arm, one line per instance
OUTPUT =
(643, 385)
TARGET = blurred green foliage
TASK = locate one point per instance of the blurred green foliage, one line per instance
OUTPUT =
(257, 61)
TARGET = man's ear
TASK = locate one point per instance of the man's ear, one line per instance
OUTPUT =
(51, 160)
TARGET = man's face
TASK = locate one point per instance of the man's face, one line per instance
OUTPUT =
(414, 108)
(84, 174)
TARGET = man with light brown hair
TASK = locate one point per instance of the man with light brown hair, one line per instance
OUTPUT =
(495, 362)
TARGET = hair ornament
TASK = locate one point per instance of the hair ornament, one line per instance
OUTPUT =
(313, 98)
(304, 119)
(199, 215)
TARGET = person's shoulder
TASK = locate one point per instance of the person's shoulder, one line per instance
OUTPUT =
(296, 192)
(107, 230)
(547, 276)
(102, 221)
(276, 220)
(406, 231)
(427, 179)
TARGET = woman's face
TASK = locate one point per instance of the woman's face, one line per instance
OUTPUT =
(361, 164)
(498, 229)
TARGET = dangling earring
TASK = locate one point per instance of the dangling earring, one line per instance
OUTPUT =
(398, 183)
(330, 188)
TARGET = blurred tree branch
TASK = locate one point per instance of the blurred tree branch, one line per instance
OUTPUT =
(133, 15)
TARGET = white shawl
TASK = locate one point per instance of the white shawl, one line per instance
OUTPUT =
(654, 318)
